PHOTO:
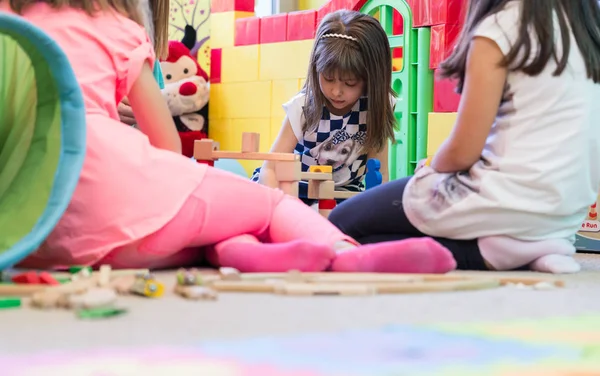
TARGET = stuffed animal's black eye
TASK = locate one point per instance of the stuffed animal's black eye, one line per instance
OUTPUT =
(169, 76)
(186, 71)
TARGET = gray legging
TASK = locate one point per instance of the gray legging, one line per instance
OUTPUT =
(377, 215)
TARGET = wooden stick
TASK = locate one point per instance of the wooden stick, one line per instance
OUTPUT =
(529, 281)
(255, 156)
(21, 289)
(324, 289)
(396, 288)
(358, 277)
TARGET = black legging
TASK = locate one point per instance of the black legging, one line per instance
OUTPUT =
(377, 215)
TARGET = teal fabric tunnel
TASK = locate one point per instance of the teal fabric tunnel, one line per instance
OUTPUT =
(42, 137)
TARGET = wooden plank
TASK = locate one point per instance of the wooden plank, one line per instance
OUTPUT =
(218, 154)
(317, 176)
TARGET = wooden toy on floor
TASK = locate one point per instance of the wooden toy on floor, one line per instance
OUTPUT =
(296, 283)
(190, 286)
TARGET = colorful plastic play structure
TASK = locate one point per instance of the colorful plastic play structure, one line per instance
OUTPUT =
(259, 63)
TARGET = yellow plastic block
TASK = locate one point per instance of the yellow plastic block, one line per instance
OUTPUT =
(301, 83)
(261, 126)
(245, 100)
(220, 131)
(310, 4)
(276, 124)
(284, 60)
(215, 102)
(281, 92)
(438, 129)
(222, 28)
(239, 64)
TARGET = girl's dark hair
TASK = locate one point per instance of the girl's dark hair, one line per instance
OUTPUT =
(580, 16)
(368, 58)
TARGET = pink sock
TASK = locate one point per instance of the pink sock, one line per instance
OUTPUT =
(416, 255)
(249, 255)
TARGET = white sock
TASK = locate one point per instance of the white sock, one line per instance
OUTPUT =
(556, 264)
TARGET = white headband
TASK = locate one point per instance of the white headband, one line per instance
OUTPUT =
(339, 36)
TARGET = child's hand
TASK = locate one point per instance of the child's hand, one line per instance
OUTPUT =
(125, 112)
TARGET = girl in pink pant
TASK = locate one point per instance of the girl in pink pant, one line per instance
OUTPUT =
(140, 203)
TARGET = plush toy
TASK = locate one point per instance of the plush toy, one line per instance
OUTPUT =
(186, 91)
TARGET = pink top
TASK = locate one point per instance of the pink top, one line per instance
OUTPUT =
(128, 189)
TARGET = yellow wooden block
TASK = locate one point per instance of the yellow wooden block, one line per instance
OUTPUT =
(285, 59)
(438, 129)
(261, 126)
(239, 64)
(245, 100)
(281, 92)
(222, 28)
(215, 102)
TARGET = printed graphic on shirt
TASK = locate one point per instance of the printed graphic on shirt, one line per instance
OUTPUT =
(339, 151)
(452, 189)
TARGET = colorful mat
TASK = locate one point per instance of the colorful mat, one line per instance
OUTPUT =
(552, 347)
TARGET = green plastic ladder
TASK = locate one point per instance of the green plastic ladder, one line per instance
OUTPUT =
(413, 84)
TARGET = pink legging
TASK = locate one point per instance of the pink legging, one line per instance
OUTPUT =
(224, 206)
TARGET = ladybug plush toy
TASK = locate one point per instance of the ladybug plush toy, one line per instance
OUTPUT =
(186, 91)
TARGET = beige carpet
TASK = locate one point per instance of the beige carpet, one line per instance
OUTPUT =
(175, 321)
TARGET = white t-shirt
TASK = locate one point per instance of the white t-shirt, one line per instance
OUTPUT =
(540, 168)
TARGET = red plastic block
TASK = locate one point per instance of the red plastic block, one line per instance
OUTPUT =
(26, 278)
(397, 23)
(343, 4)
(273, 28)
(443, 38)
(327, 204)
(302, 25)
(210, 163)
(47, 279)
(215, 65)
(247, 31)
(219, 6)
(446, 12)
(445, 99)
(323, 11)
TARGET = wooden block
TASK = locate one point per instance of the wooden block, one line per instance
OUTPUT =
(321, 189)
(229, 274)
(328, 169)
(344, 194)
(250, 142)
(324, 289)
(196, 292)
(288, 171)
(325, 212)
(204, 149)
(255, 156)
(290, 188)
(104, 275)
(316, 176)
(313, 189)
